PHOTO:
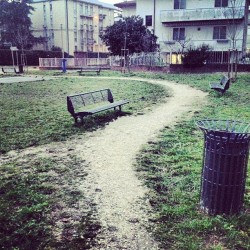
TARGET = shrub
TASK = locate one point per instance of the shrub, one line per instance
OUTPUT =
(196, 57)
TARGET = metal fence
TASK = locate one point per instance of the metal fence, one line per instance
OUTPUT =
(142, 59)
(166, 58)
(72, 62)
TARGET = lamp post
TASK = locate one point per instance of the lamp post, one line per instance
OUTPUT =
(62, 40)
(67, 24)
(98, 52)
(125, 45)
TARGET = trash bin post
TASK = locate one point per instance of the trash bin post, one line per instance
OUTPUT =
(226, 151)
(20, 68)
(64, 65)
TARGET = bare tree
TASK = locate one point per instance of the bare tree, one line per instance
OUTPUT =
(234, 14)
(178, 46)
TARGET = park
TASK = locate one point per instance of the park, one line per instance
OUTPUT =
(124, 126)
(128, 178)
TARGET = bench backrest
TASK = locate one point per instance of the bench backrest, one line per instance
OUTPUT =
(224, 81)
(9, 70)
(75, 103)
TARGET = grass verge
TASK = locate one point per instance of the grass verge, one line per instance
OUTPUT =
(41, 203)
(35, 112)
(171, 168)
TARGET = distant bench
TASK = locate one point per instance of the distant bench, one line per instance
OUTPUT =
(9, 70)
(89, 69)
(222, 86)
(89, 103)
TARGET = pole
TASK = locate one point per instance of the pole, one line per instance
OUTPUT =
(12, 59)
(125, 45)
(154, 19)
(98, 52)
(62, 40)
(67, 25)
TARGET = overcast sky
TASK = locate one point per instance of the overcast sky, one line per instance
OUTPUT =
(111, 1)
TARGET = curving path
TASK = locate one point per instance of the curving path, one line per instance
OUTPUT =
(112, 180)
(110, 153)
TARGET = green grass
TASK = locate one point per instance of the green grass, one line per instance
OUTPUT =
(41, 206)
(171, 168)
(35, 113)
(40, 199)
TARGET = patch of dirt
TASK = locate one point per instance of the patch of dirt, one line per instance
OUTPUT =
(110, 154)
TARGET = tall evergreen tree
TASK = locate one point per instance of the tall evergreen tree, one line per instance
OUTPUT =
(15, 23)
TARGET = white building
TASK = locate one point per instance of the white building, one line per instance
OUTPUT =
(128, 8)
(74, 25)
(222, 24)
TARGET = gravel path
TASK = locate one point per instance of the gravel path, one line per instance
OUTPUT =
(110, 153)
(112, 180)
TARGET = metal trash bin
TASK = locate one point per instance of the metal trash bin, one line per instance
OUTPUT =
(226, 151)
(20, 68)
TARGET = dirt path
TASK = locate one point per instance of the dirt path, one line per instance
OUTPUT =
(112, 182)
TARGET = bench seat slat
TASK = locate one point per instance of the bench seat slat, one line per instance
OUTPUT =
(106, 107)
(90, 69)
(102, 108)
(216, 86)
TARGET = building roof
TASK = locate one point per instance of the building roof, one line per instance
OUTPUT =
(95, 2)
(125, 4)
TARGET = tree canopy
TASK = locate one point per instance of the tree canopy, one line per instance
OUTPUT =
(15, 23)
(129, 33)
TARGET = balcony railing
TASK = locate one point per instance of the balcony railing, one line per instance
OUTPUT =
(87, 14)
(201, 14)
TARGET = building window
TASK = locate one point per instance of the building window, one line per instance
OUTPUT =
(179, 34)
(86, 10)
(220, 32)
(221, 3)
(179, 4)
(75, 36)
(81, 9)
(148, 21)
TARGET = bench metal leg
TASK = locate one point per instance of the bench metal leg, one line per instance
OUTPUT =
(78, 120)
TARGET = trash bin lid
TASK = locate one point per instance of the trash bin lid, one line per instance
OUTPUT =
(224, 126)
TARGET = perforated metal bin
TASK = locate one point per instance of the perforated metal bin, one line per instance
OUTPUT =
(226, 151)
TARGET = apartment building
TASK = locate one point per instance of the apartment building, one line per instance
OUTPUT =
(73, 25)
(222, 24)
(128, 8)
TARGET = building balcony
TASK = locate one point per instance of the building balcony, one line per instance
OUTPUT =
(86, 15)
(201, 14)
(102, 17)
(90, 41)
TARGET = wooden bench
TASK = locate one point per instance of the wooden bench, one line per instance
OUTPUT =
(9, 70)
(81, 105)
(222, 86)
(89, 69)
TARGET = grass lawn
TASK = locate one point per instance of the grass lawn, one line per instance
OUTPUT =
(41, 206)
(171, 168)
(35, 194)
(34, 113)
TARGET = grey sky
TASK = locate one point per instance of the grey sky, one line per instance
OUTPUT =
(111, 1)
